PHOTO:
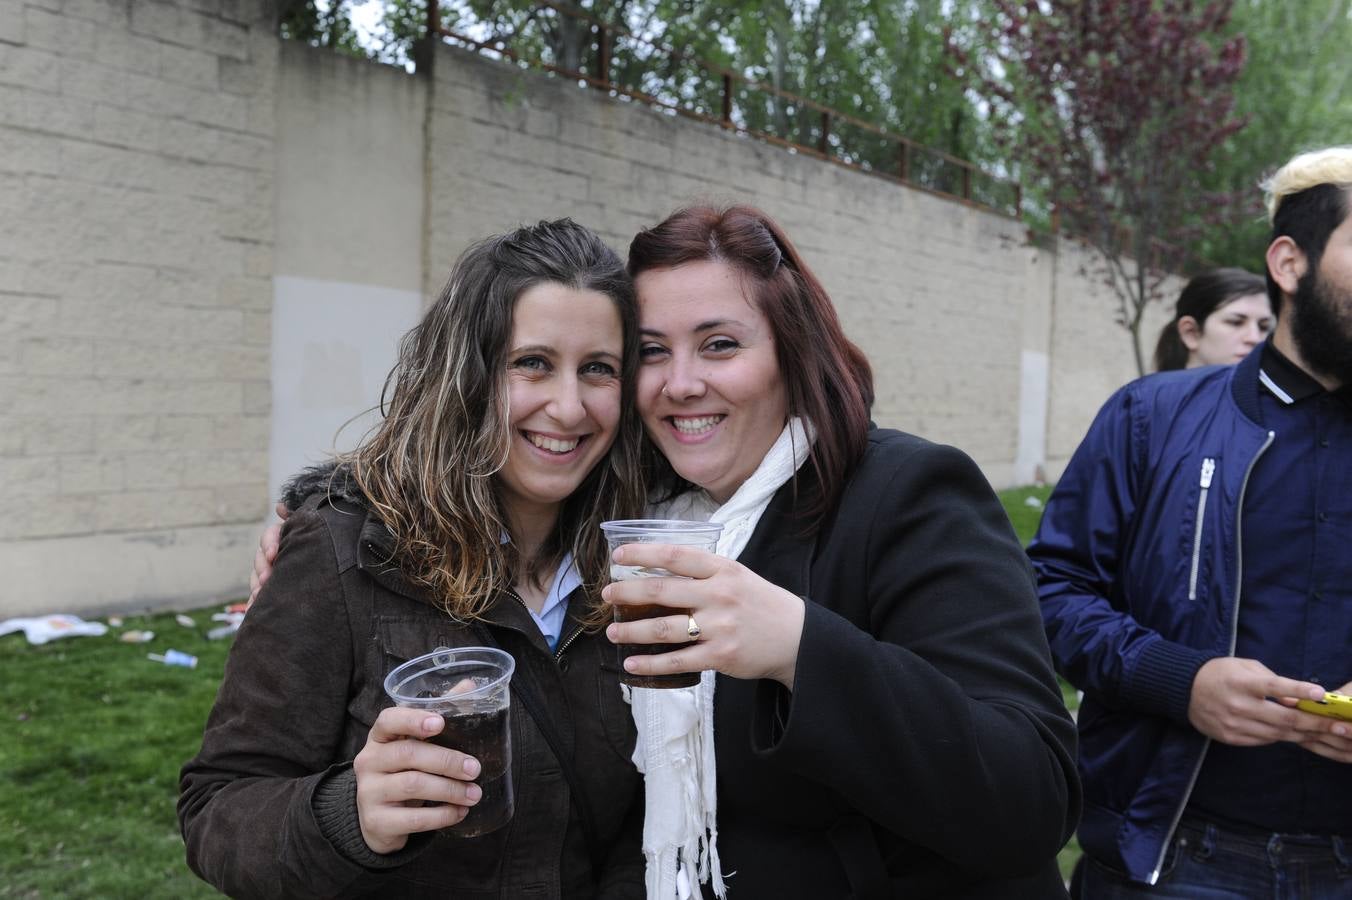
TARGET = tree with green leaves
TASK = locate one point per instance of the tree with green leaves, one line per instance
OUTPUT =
(1295, 93)
(1118, 107)
(879, 62)
(319, 23)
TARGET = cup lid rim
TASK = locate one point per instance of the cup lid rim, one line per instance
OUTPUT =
(661, 525)
(505, 660)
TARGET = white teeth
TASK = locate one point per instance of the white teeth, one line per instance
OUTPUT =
(695, 424)
(550, 444)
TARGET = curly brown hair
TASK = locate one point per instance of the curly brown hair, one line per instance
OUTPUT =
(427, 469)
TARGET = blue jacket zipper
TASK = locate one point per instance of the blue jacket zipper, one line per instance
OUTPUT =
(1208, 469)
(1234, 634)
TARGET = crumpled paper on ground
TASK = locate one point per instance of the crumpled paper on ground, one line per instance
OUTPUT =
(42, 629)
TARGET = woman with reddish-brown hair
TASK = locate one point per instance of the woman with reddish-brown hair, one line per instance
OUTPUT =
(877, 714)
(885, 720)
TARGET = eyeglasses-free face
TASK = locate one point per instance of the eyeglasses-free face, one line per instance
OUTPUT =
(709, 387)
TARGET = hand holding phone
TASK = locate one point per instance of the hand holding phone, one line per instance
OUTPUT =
(1334, 705)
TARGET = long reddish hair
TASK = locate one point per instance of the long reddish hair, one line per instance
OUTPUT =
(827, 379)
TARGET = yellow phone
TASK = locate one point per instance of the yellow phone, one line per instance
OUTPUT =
(1337, 706)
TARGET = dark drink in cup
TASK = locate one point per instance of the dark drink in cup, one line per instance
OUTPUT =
(469, 688)
(703, 535)
(633, 613)
(486, 736)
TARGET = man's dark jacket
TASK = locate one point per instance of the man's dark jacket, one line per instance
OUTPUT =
(1139, 572)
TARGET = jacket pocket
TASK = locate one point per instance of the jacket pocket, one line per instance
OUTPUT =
(1208, 471)
(856, 847)
(395, 638)
(406, 635)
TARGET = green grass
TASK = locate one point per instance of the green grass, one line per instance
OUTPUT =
(92, 735)
(1025, 518)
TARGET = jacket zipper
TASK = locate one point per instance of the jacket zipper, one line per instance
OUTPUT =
(558, 654)
(565, 643)
(1234, 635)
(1208, 469)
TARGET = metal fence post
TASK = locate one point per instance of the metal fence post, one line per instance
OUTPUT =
(603, 55)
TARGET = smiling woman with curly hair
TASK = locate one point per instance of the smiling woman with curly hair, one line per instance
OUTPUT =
(469, 516)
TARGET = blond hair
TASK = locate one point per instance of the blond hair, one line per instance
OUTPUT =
(1332, 165)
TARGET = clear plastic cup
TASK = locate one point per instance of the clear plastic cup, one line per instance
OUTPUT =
(469, 687)
(703, 535)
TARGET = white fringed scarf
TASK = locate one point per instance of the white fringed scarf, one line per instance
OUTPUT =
(675, 749)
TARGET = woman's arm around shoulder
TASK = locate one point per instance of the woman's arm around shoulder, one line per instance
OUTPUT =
(924, 690)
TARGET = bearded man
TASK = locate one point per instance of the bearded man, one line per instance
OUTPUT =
(1195, 573)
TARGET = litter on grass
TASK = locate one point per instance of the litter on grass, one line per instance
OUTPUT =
(136, 637)
(1034, 502)
(232, 622)
(185, 621)
(174, 658)
(42, 629)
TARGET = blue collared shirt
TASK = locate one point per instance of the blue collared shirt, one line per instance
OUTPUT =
(554, 611)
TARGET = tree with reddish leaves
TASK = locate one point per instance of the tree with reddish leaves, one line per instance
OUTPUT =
(1116, 107)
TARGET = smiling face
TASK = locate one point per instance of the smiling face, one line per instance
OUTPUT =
(1229, 333)
(709, 386)
(563, 372)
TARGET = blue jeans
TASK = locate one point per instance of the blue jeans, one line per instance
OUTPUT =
(1208, 863)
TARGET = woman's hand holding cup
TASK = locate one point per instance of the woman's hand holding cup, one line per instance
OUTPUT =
(747, 627)
(398, 772)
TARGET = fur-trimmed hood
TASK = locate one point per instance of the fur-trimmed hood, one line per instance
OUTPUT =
(332, 478)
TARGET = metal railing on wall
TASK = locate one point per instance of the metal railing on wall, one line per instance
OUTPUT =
(607, 57)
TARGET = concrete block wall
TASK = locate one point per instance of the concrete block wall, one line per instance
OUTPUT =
(934, 292)
(136, 236)
(211, 242)
(349, 200)
(1091, 356)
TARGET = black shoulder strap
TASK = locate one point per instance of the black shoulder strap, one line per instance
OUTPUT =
(525, 692)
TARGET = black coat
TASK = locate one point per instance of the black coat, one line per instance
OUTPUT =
(925, 751)
(268, 807)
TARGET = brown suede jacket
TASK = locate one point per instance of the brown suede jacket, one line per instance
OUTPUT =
(268, 807)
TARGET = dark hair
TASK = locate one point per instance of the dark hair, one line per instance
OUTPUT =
(427, 467)
(1308, 218)
(827, 378)
(1201, 296)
